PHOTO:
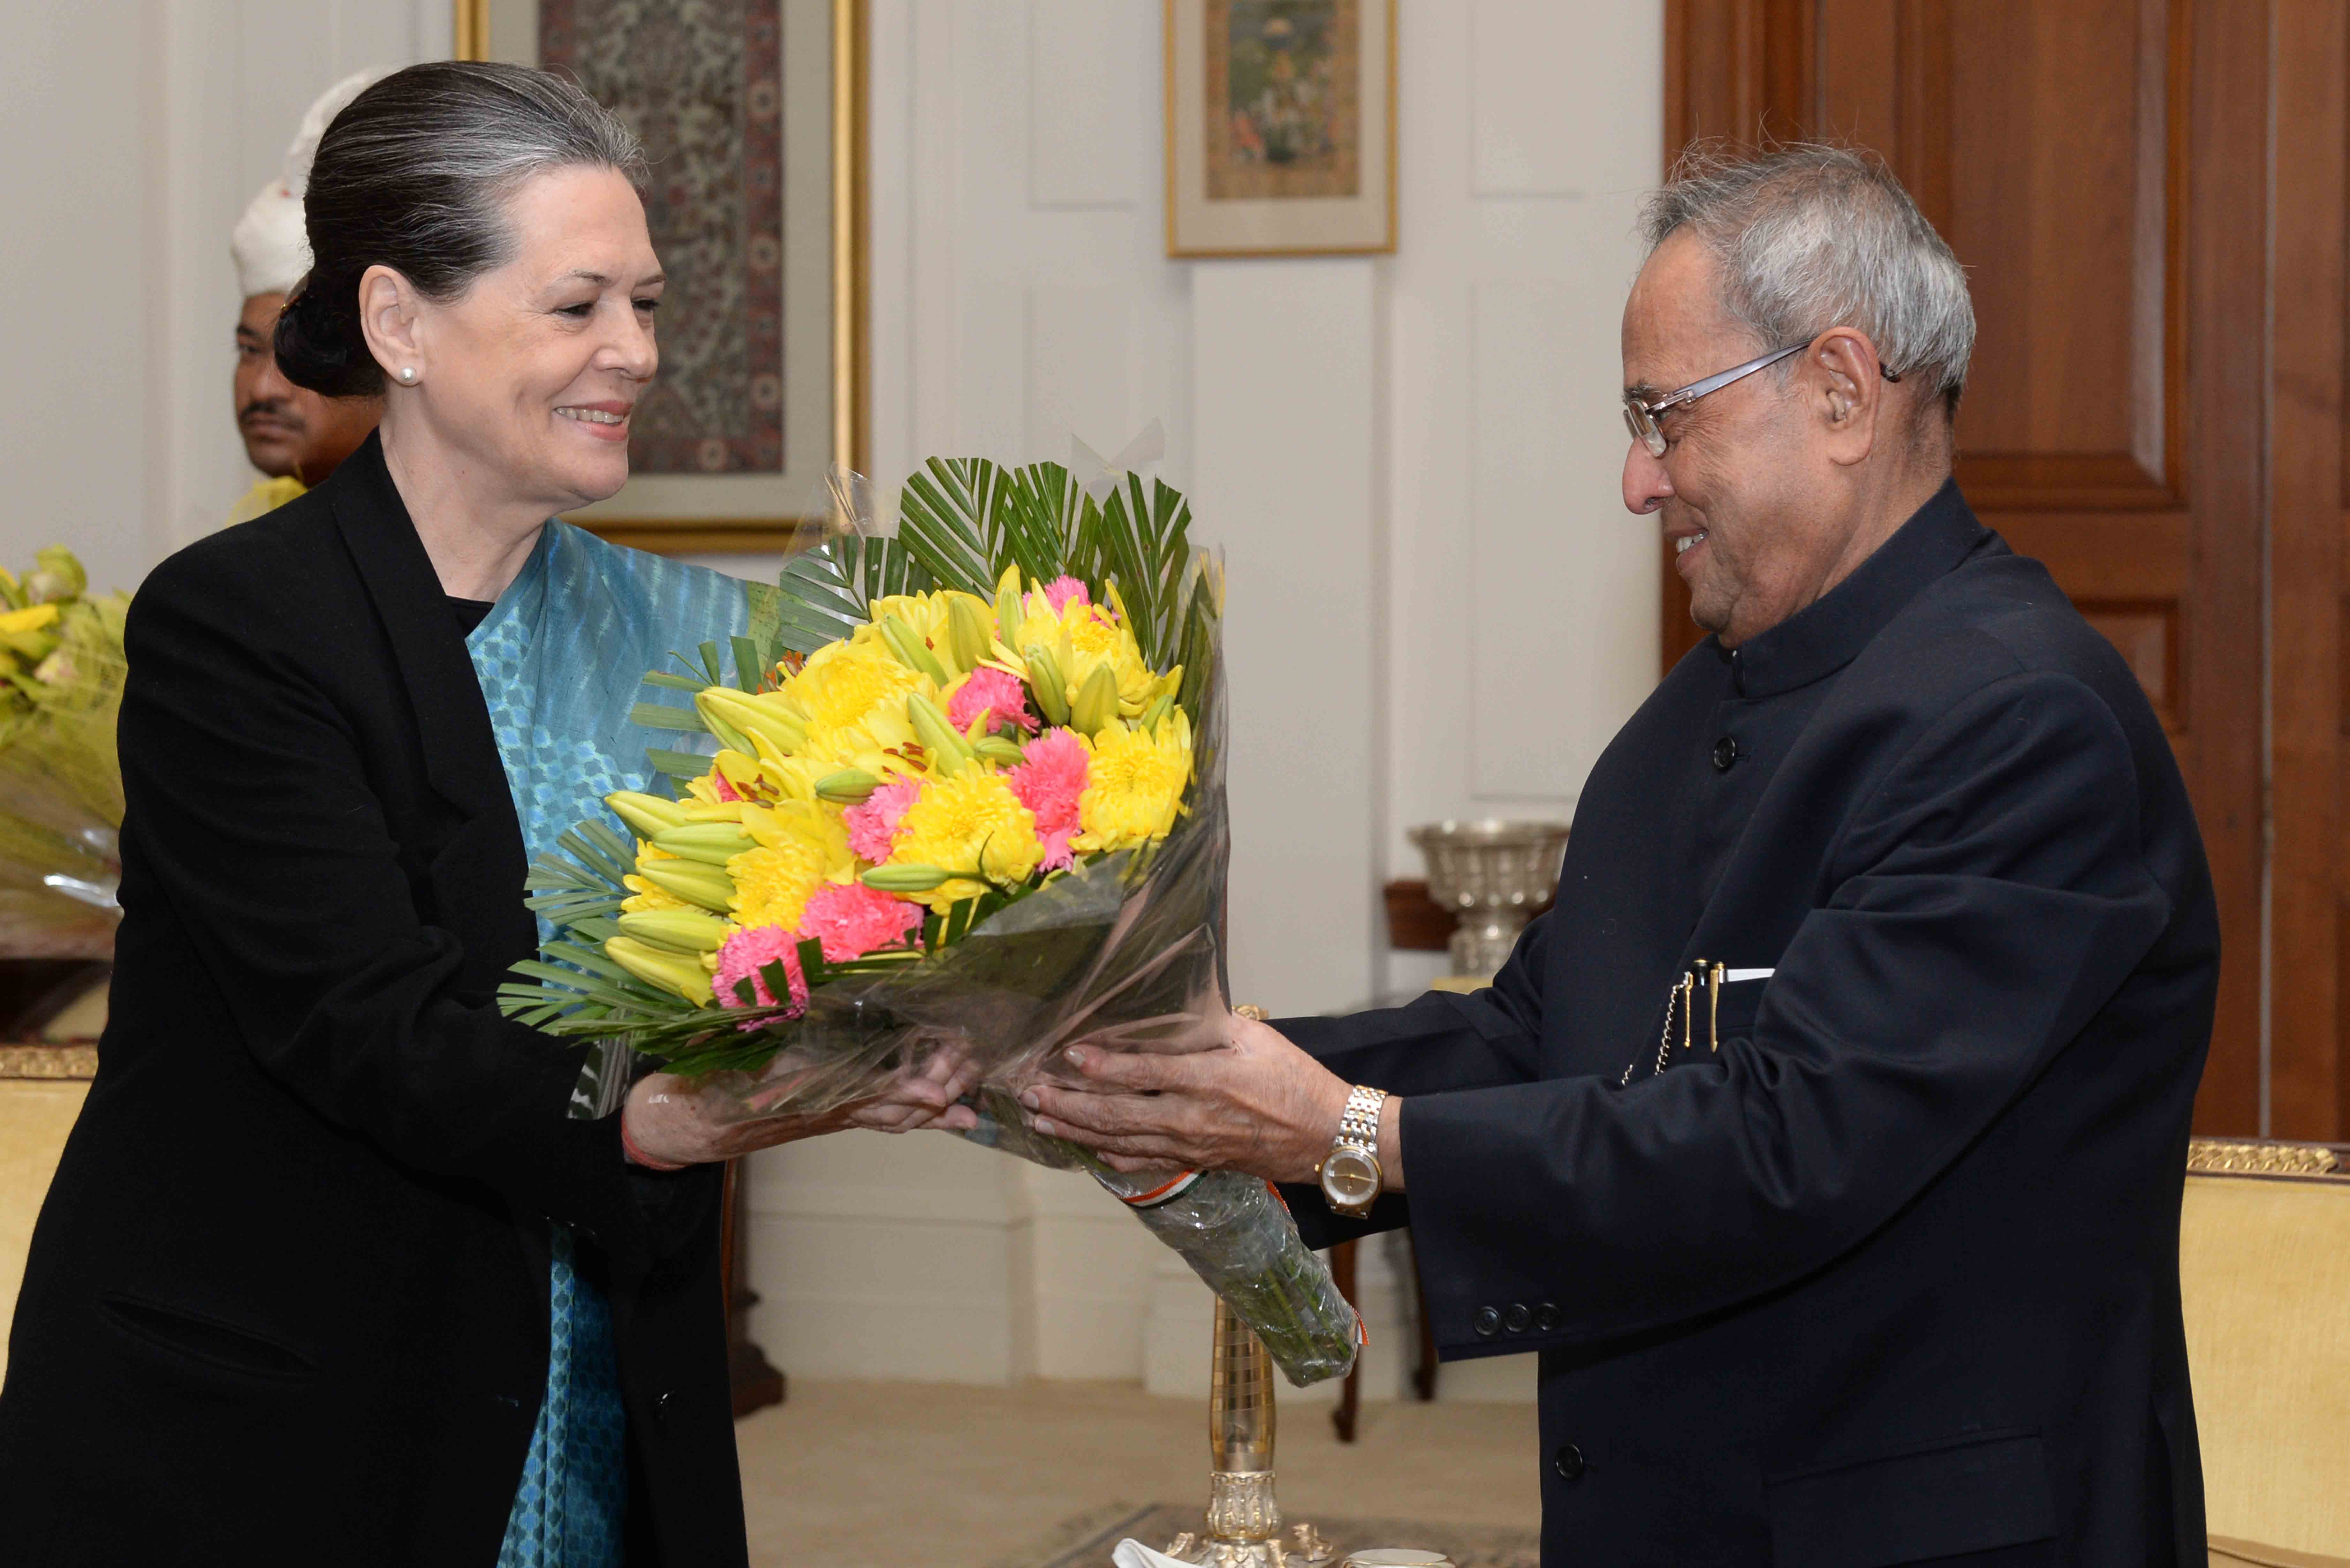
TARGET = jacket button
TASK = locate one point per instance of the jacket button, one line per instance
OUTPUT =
(1725, 752)
(660, 1409)
(1548, 1319)
(1567, 1460)
(1519, 1318)
(1488, 1322)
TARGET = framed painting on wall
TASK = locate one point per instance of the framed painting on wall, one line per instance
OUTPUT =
(752, 119)
(1281, 126)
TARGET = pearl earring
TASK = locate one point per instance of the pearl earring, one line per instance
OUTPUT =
(408, 374)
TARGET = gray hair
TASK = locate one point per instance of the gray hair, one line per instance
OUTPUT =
(415, 174)
(1809, 237)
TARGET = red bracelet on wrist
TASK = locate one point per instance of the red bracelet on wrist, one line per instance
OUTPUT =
(636, 1155)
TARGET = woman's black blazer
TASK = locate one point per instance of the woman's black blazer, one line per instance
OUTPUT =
(287, 1300)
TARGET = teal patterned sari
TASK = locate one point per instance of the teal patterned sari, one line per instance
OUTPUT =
(561, 660)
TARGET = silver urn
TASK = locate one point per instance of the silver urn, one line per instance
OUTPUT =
(1493, 875)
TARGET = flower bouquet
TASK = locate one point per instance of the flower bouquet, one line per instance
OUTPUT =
(970, 801)
(61, 672)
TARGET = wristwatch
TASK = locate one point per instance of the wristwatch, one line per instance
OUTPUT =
(1350, 1173)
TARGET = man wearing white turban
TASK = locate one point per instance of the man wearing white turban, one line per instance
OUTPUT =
(293, 435)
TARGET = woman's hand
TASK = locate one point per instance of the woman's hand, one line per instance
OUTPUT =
(669, 1120)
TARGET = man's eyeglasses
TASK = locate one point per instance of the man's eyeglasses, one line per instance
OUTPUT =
(1640, 415)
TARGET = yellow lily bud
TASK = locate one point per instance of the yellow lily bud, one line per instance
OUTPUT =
(33, 618)
(681, 929)
(696, 883)
(949, 751)
(997, 749)
(1007, 607)
(747, 715)
(967, 631)
(905, 878)
(1046, 680)
(1095, 708)
(672, 971)
(646, 814)
(1156, 712)
(909, 650)
(852, 785)
(711, 842)
(33, 645)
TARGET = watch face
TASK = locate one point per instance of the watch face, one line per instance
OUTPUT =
(1350, 1179)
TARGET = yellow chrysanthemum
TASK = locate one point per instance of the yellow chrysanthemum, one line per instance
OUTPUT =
(1134, 787)
(971, 822)
(1092, 629)
(843, 682)
(854, 693)
(801, 845)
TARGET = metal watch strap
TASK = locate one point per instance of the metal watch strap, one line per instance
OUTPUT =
(1358, 1124)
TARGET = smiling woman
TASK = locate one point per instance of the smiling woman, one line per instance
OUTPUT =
(342, 1263)
(530, 374)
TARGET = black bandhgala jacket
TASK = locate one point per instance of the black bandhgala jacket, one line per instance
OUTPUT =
(288, 1298)
(1891, 1273)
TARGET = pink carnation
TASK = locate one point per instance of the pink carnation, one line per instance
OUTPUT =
(745, 954)
(1061, 590)
(1049, 783)
(872, 825)
(852, 921)
(1000, 693)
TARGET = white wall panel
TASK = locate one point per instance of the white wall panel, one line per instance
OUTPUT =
(992, 373)
(1076, 369)
(1083, 135)
(1282, 478)
(1556, 663)
(1560, 94)
(880, 1256)
(74, 442)
(1080, 1270)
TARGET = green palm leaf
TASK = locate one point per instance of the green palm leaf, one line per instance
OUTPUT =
(826, 590)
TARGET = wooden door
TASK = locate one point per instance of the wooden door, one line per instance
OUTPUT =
(2309, 574)
(2100, 167)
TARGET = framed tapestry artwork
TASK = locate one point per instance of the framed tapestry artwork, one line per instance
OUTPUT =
(1281, 126)
(752, 119)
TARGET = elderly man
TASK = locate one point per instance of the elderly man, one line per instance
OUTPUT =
(292, 435)
(1827, 1139)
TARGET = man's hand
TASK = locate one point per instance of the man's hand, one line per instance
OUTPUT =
(669, 1119)
(1256, 1104)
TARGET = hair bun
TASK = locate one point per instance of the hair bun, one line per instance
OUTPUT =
(318, 342)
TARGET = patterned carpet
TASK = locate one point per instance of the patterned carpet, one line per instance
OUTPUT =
(1087, 1541)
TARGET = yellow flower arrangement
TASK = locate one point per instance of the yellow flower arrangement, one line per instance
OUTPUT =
(1134, 787)
(853, 694)
(971, 822)
(800, 846)
(917, 761)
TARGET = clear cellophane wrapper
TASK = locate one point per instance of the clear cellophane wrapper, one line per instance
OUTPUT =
(1125, 954)
(61, 807)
